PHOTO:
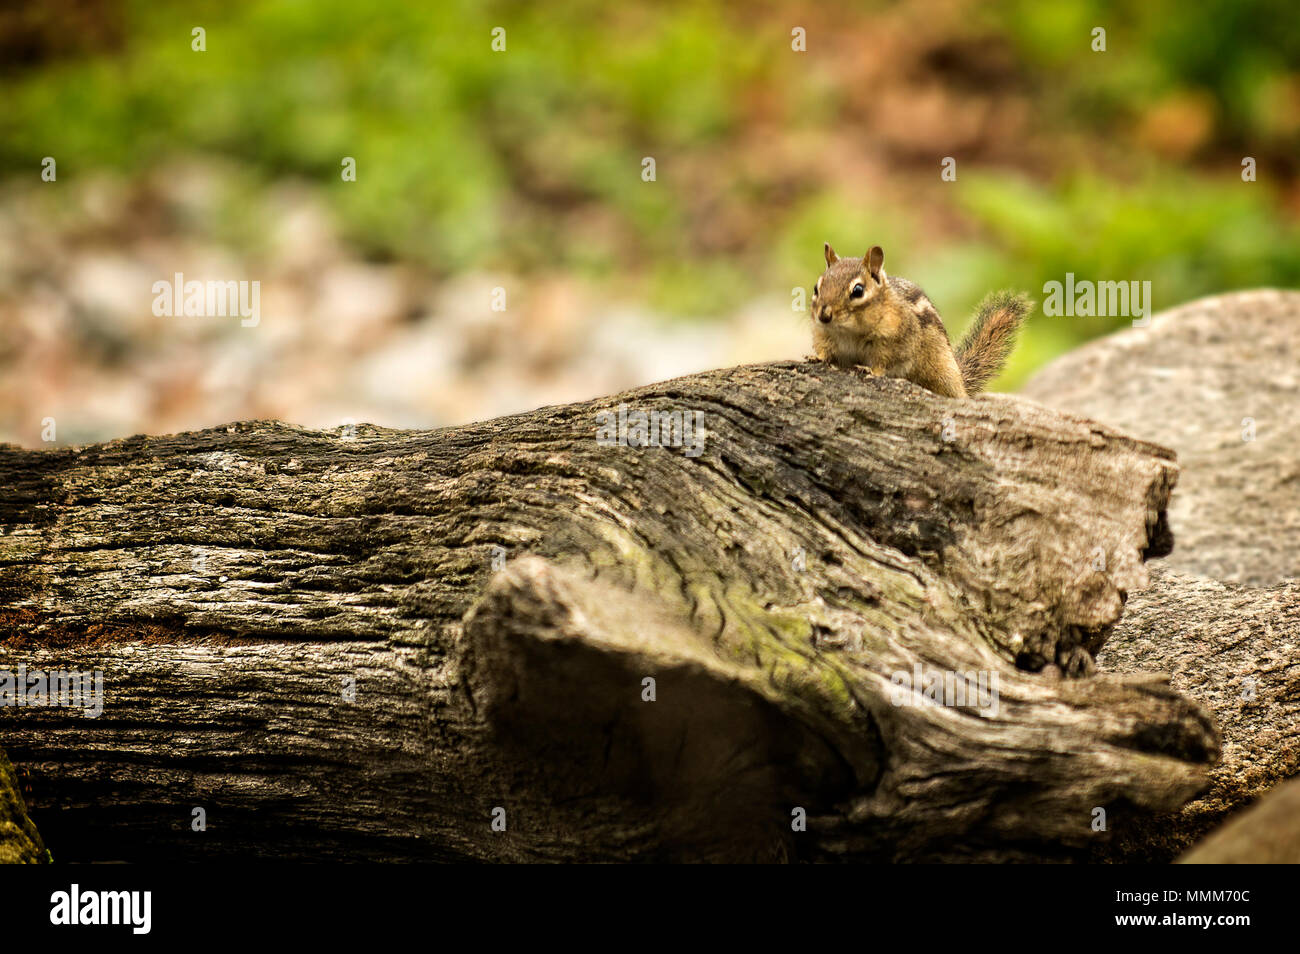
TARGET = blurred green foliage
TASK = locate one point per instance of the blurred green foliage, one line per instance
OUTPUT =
(531, 160)
(1238, 51)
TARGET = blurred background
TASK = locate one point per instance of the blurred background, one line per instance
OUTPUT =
(522, 170)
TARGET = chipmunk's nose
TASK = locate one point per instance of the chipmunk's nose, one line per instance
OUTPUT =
(824, 316)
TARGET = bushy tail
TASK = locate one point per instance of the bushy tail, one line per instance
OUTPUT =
(984, 350)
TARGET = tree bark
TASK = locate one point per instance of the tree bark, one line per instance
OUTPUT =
(834, 534)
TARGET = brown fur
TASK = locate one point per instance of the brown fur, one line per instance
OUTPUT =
(893, 329)
(992, 335)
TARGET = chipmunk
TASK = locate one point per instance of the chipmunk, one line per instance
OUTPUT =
(864, 318)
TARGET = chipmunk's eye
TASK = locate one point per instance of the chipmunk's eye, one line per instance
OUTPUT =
(858, 291)
(817, 287)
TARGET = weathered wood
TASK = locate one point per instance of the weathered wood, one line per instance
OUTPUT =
(19, 841)
(1223, 614)
(835, 531)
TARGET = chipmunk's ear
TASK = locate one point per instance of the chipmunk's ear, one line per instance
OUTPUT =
(831, 257)
(873, 261)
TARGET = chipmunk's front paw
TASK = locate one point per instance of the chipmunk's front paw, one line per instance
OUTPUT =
(864, 370)
(811, 357)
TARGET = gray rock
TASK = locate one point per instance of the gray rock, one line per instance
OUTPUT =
(1223, 614)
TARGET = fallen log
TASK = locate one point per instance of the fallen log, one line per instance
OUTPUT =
(377, 645)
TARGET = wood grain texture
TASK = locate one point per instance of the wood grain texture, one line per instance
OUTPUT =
(499, 593)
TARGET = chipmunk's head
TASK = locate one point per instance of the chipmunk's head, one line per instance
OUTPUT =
(849, 291)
